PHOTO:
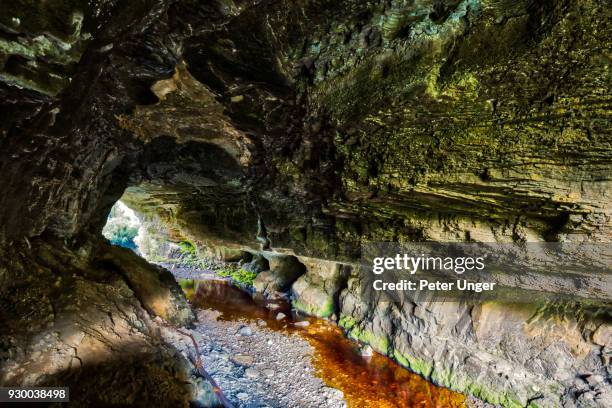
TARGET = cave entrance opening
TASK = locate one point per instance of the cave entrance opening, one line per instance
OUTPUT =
(122, 227)
(144, 220)
(149, 237)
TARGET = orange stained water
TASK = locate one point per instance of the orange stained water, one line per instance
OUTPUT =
(375, 382)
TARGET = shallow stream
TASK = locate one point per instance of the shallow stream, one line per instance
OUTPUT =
(373, 381)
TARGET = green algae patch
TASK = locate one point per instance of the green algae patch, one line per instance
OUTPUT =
(448, 378)
(346, 322)
(378, 343)
(323, 311)
(451, 380)
(416, 365)
(241, 276)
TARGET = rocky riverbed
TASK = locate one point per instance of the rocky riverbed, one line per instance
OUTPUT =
(256, 366)
(268, 357)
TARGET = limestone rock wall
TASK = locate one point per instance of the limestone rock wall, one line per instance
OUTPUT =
(508, 354)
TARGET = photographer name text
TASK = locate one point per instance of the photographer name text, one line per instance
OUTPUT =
(412, 264)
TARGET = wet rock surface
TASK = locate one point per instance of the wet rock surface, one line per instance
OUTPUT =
(511, 353)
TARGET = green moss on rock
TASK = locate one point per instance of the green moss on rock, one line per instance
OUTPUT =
(353, 330)
(323, 311)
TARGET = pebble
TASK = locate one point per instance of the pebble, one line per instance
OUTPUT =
(197, 336)
(303, 323)
(245, 331)
(243, 359)
(242, 396)
(280, 316)
(332, 392)
(593, 380)
(268, 372)
(366, 351)
(251, 373)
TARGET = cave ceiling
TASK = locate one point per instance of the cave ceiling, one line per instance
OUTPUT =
(331, 123)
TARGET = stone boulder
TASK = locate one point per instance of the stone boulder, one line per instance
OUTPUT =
(316, 292)
(284, 270)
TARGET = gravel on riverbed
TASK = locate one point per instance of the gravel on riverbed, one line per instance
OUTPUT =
(256, 366)
(186, 272)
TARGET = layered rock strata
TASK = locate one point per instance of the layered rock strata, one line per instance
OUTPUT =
(307, 129)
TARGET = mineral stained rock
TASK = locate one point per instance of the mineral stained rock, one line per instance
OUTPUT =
(306, 129)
